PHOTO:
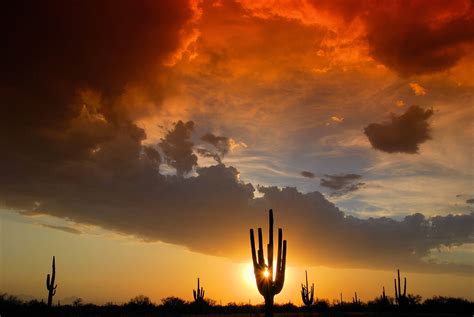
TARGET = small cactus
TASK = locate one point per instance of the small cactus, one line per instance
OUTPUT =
(383, 298)
(267, 286)
(198, 293)
(401, 299)
(341, 302)
(50, 284)
(306, 294)
(355, 300)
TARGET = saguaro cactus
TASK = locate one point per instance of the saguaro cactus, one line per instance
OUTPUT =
(198, 293)
(306, 294)
(267, 285)
(355, 300)
(383, 298)
(400, 298)
(50, 284)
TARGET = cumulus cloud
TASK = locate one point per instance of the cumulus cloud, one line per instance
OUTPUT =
(418, 89)
(403, 133)
(178, 147)
(341, 184)
(308, 174)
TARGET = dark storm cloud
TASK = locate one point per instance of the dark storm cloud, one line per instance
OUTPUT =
(470, 201)
(403, 133)
(65, 67)
(308, 174)
(178, 147)
(341, 184)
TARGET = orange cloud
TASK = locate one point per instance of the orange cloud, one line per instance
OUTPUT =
(409, 37)
(337, 119)
(418, 89)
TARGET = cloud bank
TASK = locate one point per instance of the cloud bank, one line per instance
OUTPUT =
(119, 188)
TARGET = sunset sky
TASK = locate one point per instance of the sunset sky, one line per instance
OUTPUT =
(141, 140)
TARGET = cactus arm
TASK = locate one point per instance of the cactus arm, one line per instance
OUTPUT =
(261, 260)
(252, 245)
(270, 246)
(399, 288)
(53, 277)
(405, 288)
(280, 237)
(395, 283)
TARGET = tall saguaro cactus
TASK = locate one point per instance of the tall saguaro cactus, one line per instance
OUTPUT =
(400, 298)
(198, 294)
(50, 284)
(267, 284)
(306, 294)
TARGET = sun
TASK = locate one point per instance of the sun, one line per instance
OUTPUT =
(266, 273)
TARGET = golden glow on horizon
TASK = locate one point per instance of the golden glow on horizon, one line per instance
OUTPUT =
(248, 275)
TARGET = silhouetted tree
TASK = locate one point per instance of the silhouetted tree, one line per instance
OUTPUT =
(173, 304)
(267, 286)
(77, 302)
(306, 294)
(50, 284)
(140, 300)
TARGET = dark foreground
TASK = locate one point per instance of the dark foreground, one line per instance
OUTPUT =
(173, 306)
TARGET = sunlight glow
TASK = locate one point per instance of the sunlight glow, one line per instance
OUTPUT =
(266, 273)
(248, 274)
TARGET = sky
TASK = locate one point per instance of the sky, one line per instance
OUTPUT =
(141, 140)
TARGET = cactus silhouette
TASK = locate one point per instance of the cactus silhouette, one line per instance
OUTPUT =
(50, 284)
(198, 293)
(266, 284)
(383, 298)
(306, 294)
(400, 298)
(355, 300)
